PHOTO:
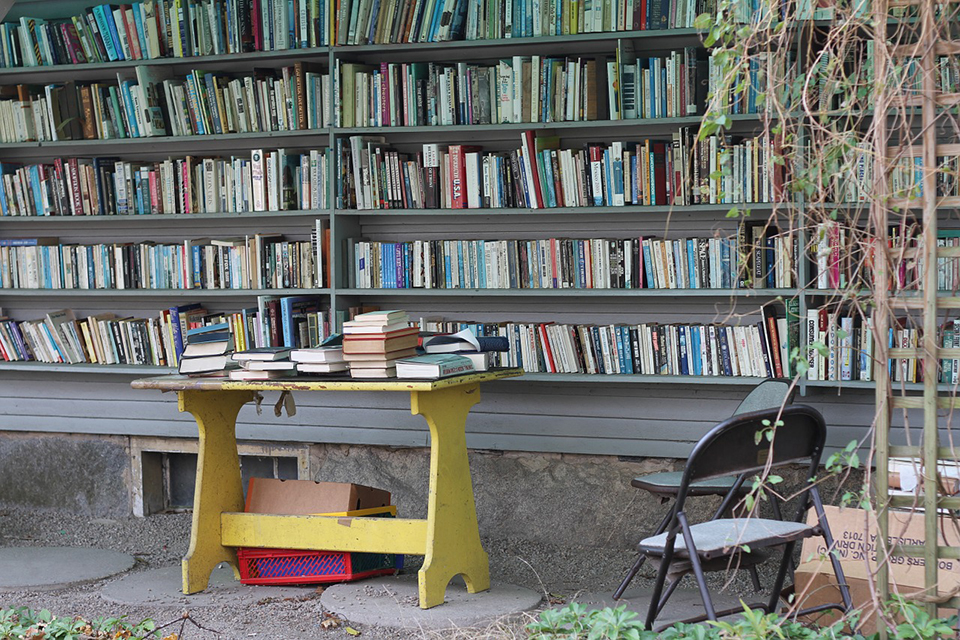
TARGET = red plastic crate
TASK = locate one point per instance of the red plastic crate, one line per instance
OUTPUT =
(292, 566)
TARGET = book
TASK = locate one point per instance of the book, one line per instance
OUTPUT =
(206, 364)
(328, 355)
(203, 349)
(464, 341)
(262, 354)
(246, 374)
(269, 365)
(385, 343)
(321, 367)
(380, 372)
(434, 366)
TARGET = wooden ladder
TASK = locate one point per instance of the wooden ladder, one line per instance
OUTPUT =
(927, 45)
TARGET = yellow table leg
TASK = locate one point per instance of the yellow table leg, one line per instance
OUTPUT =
(453, 537)
(218, 487)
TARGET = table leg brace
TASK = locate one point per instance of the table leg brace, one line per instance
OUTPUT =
(453, 537)
(219, 488)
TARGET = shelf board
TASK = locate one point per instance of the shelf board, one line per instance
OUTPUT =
(633, 378)
(179, 217)
(509, 211)
(49, 73)
(562, 378)
(567, 293)
(114, 369)
(158, 293)
(860, 384)
(218, 141)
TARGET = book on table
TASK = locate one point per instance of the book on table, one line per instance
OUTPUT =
(380, 372)
(434, 366)
(269, 365)
(206, 364)
(377, 318)
(264, 354)
(381, 343)
(321, 367)
(318, 355)
(246, 374)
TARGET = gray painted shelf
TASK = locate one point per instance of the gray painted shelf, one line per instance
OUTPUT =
(566, 293)
(158, 293)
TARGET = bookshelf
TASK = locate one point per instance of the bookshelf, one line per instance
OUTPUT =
(525, 305)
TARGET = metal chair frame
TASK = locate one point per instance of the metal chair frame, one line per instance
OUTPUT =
(755, 397)
(731, 448)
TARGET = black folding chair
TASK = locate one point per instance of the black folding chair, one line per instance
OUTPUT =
(769, 394)
(731, 449)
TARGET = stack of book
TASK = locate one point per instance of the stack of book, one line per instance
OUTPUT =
(434, 366)
(263, 363)
(373, 342)
(477, 349)
(319, 360)
(208, 351)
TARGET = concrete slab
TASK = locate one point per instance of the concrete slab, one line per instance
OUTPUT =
(393, 601)
(684, 604)
(162, 587)
(49, 568)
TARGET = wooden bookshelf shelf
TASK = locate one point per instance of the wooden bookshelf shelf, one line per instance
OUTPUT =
(194, 294)
(574, 293)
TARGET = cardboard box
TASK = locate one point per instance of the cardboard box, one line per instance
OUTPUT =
(305, 497)
(854, 532)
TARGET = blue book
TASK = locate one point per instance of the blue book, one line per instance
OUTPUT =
(608, 172)
(460, 272)
(100, 14)
(218, 327)
(597, 349)
(404, 266)
(724, 351)
(37, 191)
(434, 23)
(691, 264)
(482, 268)
(292, 310)
(114, 32)
(697, 361)
(197, 266)
(373, 21)
(628, 346)
(648, 265)
(141, 35)
(447, 272)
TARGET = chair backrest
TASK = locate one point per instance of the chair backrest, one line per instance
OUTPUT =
(731, 448)
(772, 393)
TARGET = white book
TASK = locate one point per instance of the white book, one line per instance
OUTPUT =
(258, 170)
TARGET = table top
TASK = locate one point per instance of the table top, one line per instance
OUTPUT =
(340, 383)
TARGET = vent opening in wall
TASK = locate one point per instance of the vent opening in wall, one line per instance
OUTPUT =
(164, 473)
(169, 483)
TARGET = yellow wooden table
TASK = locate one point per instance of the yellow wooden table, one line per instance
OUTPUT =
(449, 538)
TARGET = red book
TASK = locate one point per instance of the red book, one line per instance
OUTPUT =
(133, 43)
(643, 14)
(384, 93)
(273, 311)
(255, 21)
(458, 174)
(547, 351)
(659, 161)
(528, 138)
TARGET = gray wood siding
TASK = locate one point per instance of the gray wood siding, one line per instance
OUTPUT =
(648, 420)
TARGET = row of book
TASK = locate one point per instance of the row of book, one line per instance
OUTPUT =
(262, 261)
(759, 349)
(106, 338)
(680, 171)
(363, 21)
(522, 89)
(844, 256)
(565, 263)
(148, 102)
(166, 28)
(263, 181)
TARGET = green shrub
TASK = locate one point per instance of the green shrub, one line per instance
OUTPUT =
(576, 622)
(21, 622)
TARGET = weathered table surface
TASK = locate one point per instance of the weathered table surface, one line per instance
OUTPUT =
(449, 537)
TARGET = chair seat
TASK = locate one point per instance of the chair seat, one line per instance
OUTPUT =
(720, 537)
(667, 483)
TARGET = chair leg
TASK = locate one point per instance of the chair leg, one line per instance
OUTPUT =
(781, 576)
(697, 568)
(639, 563)
(630, 576)
(666, 595)
(828, 540)
(658, 584)
(755, 579)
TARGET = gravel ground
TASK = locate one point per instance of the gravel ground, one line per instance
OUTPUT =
(161, 540)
